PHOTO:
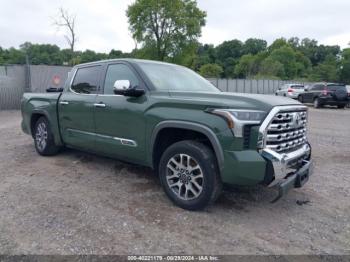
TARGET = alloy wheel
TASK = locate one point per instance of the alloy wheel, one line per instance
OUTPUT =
(41, 136)
(184, 177)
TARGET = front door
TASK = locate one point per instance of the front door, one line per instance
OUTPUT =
(120, 121)
(76, 108)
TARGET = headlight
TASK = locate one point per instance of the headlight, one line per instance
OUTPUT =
(236, 119)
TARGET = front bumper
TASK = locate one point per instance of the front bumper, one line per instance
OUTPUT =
(291, 170)
(292, 95)
(296, 180)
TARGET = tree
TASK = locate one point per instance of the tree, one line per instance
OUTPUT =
(254, 46)
(42, 53)
(270, 67)
(205, 54)
(294, 42)
(228, 54)
(326, 71)
(229, 49)
(186, 56)
(293, 62)
(67, 21)
(278, 43)
(344, 72)
(168, 26)
(13, 56)
(115, 54)
(247, 66)
(2, 61)
(211, 70)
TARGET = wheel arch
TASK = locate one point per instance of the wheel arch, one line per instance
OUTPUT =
(36, 114)
(187, 126)
(35, 117)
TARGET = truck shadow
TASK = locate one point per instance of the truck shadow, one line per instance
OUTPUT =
(143, 181)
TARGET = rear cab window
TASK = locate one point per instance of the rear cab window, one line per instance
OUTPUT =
(297, 86)
(336, 87)
(86, 80)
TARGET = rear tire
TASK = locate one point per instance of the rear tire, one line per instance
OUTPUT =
(189, 175)
(341, 106)
(43, 138)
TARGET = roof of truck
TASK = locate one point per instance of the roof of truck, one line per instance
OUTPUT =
(130, 60)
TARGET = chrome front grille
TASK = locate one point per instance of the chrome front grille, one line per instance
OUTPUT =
(287, 130)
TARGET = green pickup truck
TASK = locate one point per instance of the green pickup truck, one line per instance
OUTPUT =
(164, 116)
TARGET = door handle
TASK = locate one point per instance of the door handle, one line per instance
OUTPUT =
(100, 105)
(64, 103)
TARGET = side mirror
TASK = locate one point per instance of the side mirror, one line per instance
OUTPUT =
(54, 90)
(124, 88)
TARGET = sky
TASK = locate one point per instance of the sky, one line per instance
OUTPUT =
(101, 25)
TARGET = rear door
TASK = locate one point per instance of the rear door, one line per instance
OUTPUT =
(76, 108)
(312, 92)
(120, 120)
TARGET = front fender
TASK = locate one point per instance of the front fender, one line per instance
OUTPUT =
(189, 126)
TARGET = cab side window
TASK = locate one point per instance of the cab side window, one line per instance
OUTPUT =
(118, 72)
(86, 80)
(316, 87)
(321, 87)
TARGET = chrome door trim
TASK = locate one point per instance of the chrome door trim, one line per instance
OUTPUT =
(123, 141)
(99, 105)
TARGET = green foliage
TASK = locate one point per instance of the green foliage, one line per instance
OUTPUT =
(270, 67)
(165, 26)
(52, 55)
(277, 44)
(254, 46)
(228, 54)
(247, 66)
(13, 56)
(283, 59)
(344, 73)
(326, 71)
(211, 70)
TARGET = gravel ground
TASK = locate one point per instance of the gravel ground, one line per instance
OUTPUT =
(77, 203)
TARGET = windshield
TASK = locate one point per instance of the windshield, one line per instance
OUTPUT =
(167, 77)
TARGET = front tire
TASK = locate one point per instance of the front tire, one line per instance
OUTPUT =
(341, 106)
(300, 99)
(189, 175)
(43, 138)
(317, 103)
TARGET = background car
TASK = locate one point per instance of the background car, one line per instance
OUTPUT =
(290, 90)
(348, 89)
(321, 94)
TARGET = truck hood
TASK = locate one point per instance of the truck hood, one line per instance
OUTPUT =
(234, 100)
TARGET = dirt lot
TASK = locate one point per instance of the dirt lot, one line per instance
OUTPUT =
(76, 203)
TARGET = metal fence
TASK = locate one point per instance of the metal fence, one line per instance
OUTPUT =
(16, 79)
(253, 86)
(12, 86)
